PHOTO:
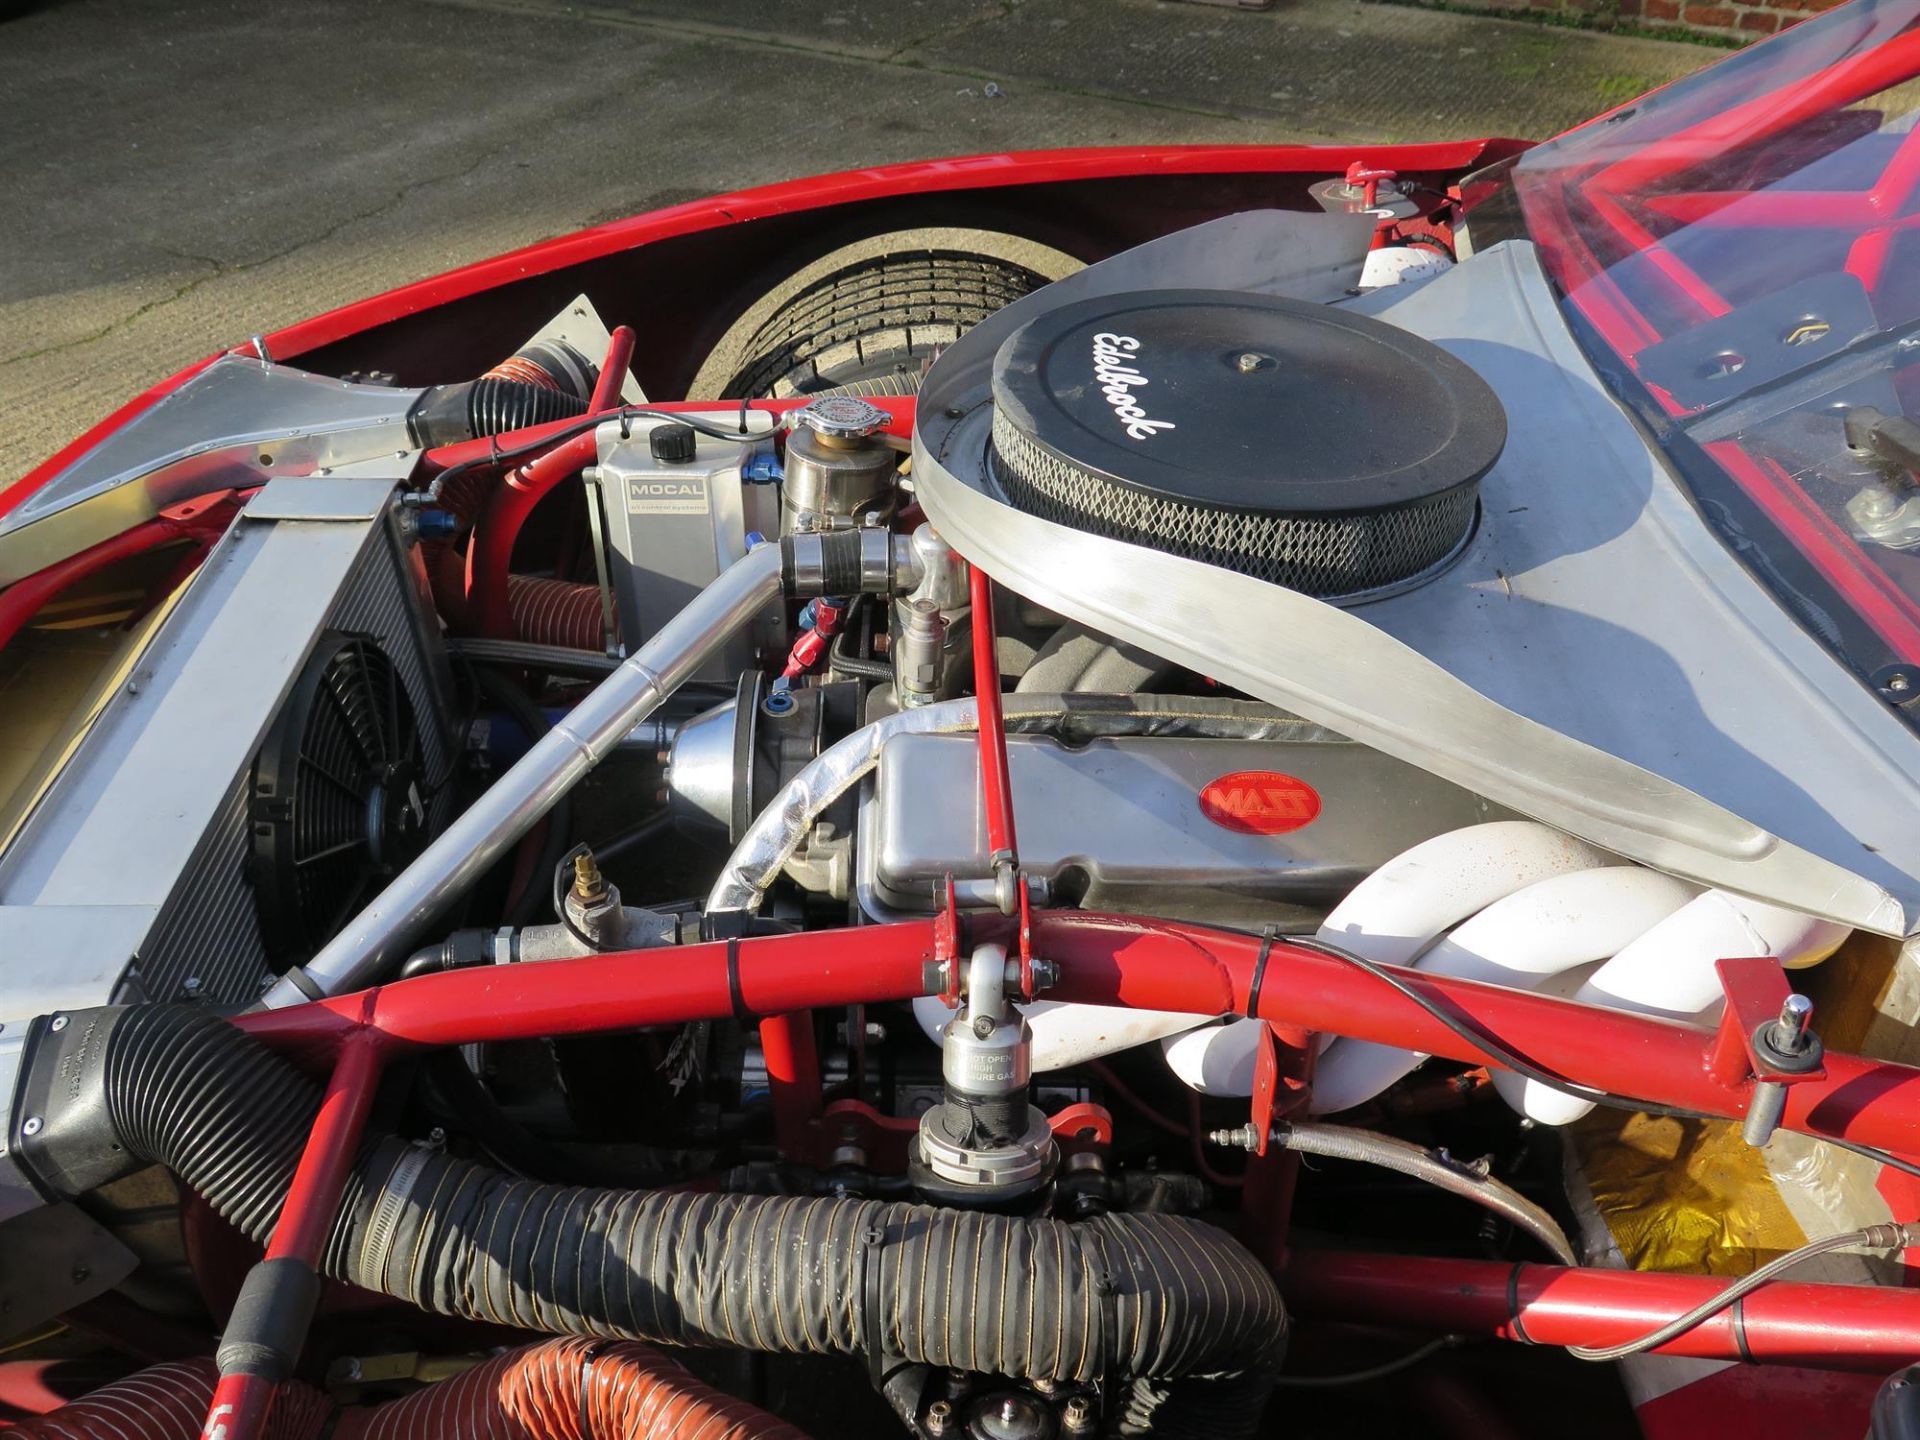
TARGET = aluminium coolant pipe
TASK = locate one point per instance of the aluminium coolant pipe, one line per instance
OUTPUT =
(376, 940)
(379, 937)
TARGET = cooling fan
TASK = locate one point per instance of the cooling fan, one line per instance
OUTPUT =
(340, 794)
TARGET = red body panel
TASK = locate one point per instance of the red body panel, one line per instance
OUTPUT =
(822, 194)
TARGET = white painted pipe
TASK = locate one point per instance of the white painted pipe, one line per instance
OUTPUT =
(1670, 971)
(1394, 914)
(1528, 937)
(1070, 1034)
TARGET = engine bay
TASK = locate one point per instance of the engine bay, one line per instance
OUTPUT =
(1012, 881)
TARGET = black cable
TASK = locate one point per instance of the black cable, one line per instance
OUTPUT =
(1879, 1156)
(498, 456)
(1360, 1377)
(562, 874)
(651, 828)
(505, 693)
(1504, 1054)
(1512, 1060)
(840, 654)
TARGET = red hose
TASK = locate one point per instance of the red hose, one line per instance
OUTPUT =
(168, 1402)
(613, 370)
(559, 1390)
(555, 612)
(507, 506)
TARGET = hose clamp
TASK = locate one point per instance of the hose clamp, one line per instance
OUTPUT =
(384, 1224)
(873, 1240)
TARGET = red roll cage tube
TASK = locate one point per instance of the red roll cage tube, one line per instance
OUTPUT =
(1162, 965)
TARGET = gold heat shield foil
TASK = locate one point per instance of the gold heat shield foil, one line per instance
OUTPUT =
(1691, 1195)
(1682, 1195)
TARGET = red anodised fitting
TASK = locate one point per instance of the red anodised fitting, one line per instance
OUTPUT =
(813, 642)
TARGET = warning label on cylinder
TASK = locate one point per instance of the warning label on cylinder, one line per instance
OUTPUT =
(667, 495)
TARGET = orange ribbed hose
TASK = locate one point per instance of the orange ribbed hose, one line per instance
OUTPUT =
(570, 1390)
(559, 1390)
(169, 1402)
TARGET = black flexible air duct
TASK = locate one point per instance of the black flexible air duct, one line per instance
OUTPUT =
(446, 414)
(1172, 1306)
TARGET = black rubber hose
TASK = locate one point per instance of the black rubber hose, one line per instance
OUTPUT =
(502, 691)
(447, 414)
(1173, 1306)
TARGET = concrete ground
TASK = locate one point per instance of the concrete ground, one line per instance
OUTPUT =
(177, 176)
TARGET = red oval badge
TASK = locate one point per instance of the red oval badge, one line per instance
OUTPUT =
(1260, 802)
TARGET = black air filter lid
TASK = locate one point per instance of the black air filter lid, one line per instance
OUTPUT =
(1323, 450)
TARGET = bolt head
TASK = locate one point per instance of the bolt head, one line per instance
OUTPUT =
(59, 1022)
(32, 1127)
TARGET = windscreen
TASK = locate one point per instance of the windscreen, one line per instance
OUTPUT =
(1740, 254)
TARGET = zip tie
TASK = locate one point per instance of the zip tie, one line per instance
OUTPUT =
(1513, 1306)
(1267, 936)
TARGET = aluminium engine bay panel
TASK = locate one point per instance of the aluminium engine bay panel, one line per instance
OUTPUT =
(134, 876)
(1341, 668)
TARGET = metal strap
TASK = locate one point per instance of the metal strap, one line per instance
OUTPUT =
(384, 1224)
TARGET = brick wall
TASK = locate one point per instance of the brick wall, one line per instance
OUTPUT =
(1739, 20)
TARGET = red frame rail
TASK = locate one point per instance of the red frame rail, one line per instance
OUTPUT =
(1161, 965)
(1869, 1328)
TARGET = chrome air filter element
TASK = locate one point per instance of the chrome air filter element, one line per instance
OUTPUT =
(1319, 450)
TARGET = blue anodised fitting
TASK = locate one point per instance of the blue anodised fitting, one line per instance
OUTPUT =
(437, 524)
(763, 468)
(810, 613)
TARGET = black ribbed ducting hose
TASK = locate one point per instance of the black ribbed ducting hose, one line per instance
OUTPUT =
(447, 414)
(1175, 1308)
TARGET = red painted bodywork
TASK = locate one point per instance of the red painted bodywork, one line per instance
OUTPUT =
(1043, 174)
